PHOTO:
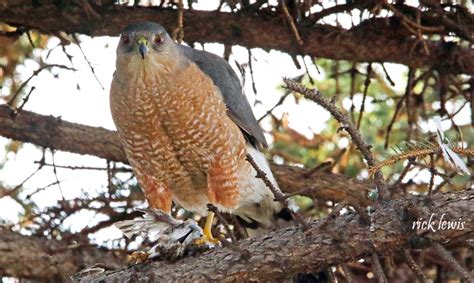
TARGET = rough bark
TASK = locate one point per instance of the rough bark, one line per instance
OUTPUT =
(375, 40)
(49, 260)
(51, 132)
(281, 254)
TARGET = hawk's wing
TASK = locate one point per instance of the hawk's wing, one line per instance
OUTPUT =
(226, 80)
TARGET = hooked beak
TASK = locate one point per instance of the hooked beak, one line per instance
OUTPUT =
(142, 46)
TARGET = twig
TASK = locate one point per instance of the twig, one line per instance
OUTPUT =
(41, 189)
(17, 187)
(280, 102)
(25, 100)
(120, 169)
(446, 255)
(30, 39)
(397, 183)
(87, 60)
(414, 266)
(353, 73)
(417, 153)
(291, 23)
(366, 89)
(319, 167)
(311, 80)
(347, 273)
(35, 73)
(392, 121)
(432, 171)
(279, 196)
(178, 33)
(315, 95)
(56, 175)
(411, 23)
(254, 88)
(389, 79)
(90, 12)
(377, 269)
(408, 96)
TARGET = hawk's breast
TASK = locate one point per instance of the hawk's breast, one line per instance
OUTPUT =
(172, 125)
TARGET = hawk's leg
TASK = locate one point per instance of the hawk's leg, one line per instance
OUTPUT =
(222, 189)
(157, 194)
(222, 184)
(207, 237)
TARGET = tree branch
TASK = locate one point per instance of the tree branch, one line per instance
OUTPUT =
(26, 257)
(51, 132)
(283, 253)
(374, 40)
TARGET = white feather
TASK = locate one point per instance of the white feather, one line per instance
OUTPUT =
(450, 156)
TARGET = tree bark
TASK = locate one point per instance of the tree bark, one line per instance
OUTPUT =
(374, 40)
(51, 132)
(48, 260)
(283, 253)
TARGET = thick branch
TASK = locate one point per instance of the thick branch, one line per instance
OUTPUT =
(375, 40)
(51, 132)
(281, 254)
(29, 257)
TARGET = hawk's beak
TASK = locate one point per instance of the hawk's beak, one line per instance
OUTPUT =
(142, 46)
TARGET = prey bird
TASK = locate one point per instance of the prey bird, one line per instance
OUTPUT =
(186, 128)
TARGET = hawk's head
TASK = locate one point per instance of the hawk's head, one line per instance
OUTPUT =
(145, 41)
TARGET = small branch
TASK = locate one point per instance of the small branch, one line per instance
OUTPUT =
(418, 153)
(113, 170)
(87, 60)
(389, 79)
(366, 89)
(254, 88)
(446, 255)
(347, 273)
(397, 183)
(11, 102)
(315, 95)
(377, 268)
(432, 172)
(414, 266)
(279, 196)
(25, 100)
(291, 23)
(178, 32)
(280, 102)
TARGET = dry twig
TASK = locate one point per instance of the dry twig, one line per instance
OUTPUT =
(315, 95)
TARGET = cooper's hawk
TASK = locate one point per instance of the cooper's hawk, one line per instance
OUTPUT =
(186, 127)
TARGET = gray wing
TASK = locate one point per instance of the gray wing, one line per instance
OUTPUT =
(226, 80)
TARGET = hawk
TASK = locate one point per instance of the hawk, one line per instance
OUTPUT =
(186, 128)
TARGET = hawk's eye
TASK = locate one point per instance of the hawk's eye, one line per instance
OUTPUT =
(158, 39)
(125, 39)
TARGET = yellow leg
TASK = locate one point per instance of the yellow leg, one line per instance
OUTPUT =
(208, 226)
(207, 238)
